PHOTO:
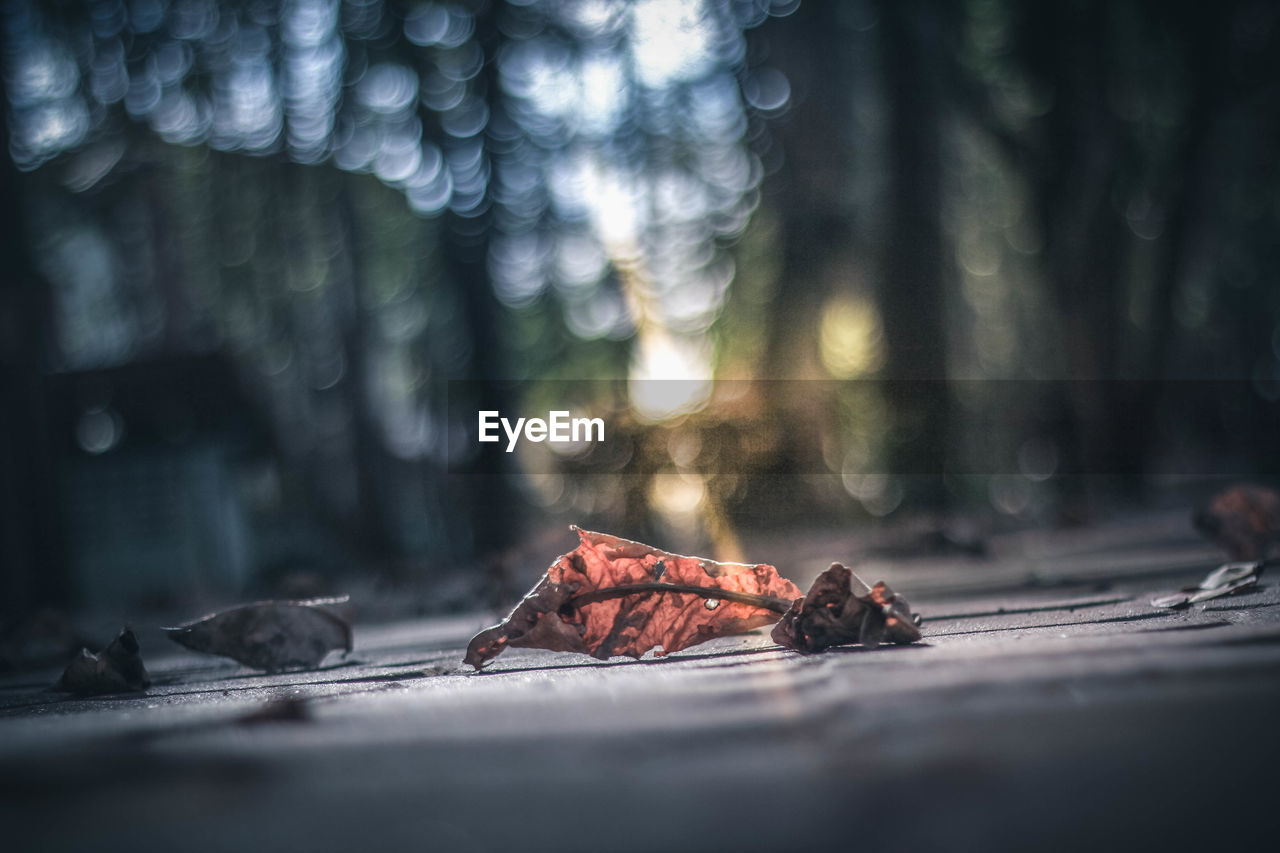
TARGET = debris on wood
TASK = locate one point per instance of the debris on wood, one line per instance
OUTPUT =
(612, 596)
(117, 668)
(270, 635)
(282, 709)
(840, 609)
(1243, 520)
(1231, 573)
(1227, 579)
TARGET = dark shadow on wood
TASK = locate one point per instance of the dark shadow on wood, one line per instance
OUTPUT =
(601, 664)
(1137, 617)
(1047, 608)
(706, 656)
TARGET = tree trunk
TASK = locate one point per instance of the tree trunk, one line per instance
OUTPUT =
(31, 552)
(913, 283)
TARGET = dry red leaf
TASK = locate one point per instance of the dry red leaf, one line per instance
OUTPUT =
(840, 609)
(1243, 520)
(612, 596)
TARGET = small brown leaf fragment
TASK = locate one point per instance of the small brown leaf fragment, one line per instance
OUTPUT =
(840, 609)
(269, 635)
(117, 668)
(612, 596)
(1243, 520)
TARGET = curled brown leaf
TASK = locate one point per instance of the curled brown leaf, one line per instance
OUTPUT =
(840, 609)
(270, 635)
(612, 596)
(117, 668)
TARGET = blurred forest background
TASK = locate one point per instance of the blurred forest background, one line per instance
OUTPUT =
(903, 256)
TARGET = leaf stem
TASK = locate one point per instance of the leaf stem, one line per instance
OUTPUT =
(766, 602)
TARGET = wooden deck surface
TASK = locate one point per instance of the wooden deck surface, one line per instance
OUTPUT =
(1049, 707)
